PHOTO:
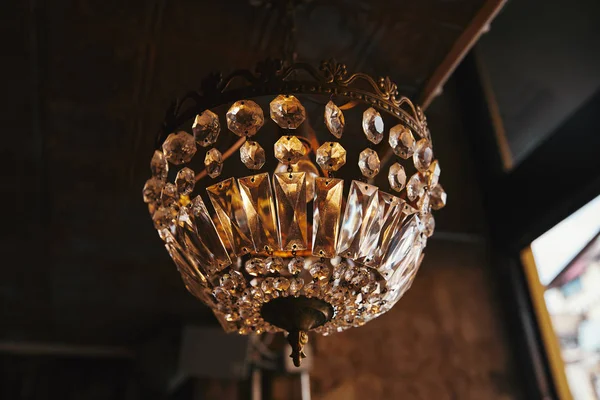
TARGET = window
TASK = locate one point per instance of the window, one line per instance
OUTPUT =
(563, 272)
(571, 287)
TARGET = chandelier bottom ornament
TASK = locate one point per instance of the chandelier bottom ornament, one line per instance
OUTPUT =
(297, 316)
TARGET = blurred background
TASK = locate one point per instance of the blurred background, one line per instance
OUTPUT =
(506, 303)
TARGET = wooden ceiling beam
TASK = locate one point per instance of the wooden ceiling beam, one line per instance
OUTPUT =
(478, 25)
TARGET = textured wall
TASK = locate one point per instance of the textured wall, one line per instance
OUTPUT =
(443, 340)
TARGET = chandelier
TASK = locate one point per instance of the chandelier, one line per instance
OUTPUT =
(267, 222)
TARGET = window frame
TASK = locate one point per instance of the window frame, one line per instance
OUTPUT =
(523, 202)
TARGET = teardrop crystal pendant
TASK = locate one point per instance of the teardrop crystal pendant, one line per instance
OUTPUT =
(252, 155)
(334, 119)
(227, 202)
(206, 128)
(327, 213)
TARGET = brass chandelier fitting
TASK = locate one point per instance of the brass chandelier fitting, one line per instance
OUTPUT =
(289, 236)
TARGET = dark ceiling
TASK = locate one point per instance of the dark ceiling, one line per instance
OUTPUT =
(91, 80)
(541, 75)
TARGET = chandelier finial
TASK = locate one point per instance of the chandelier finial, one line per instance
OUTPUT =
(297, 341)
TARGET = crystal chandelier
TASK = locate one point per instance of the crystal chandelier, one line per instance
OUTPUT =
(265, 220)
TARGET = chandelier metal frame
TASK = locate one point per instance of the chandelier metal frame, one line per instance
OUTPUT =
(406, 219)
(272, 77)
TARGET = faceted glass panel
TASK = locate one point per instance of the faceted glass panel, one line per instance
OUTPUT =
(327, 212)
(287, 111)
(290, 193)
(312, 172)
(399, 247)
(199, 236)
(186, 267)
(334, 119)
(206, 128)
(228, 326)
(206, 228)
(202, 293)
(408, 210)
(403, 275)
(257, 198)
(245, 118)
(227, 202)
(361, 209)
(382, 230)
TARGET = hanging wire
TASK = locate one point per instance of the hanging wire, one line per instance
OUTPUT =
(289, 44)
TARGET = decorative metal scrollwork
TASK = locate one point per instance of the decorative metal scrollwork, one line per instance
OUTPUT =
(273, 77)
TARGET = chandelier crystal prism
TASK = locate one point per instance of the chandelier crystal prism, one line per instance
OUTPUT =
(305, 221)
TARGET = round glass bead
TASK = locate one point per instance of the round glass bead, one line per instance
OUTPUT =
(245, 118)
(179, 148)
(287, 111)
(252, 155)
(368, 162)
(206, 128)
(331, 156)
(185, 181)
(372, 125)
(397, 177)
(402, 141)
(296, 265)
